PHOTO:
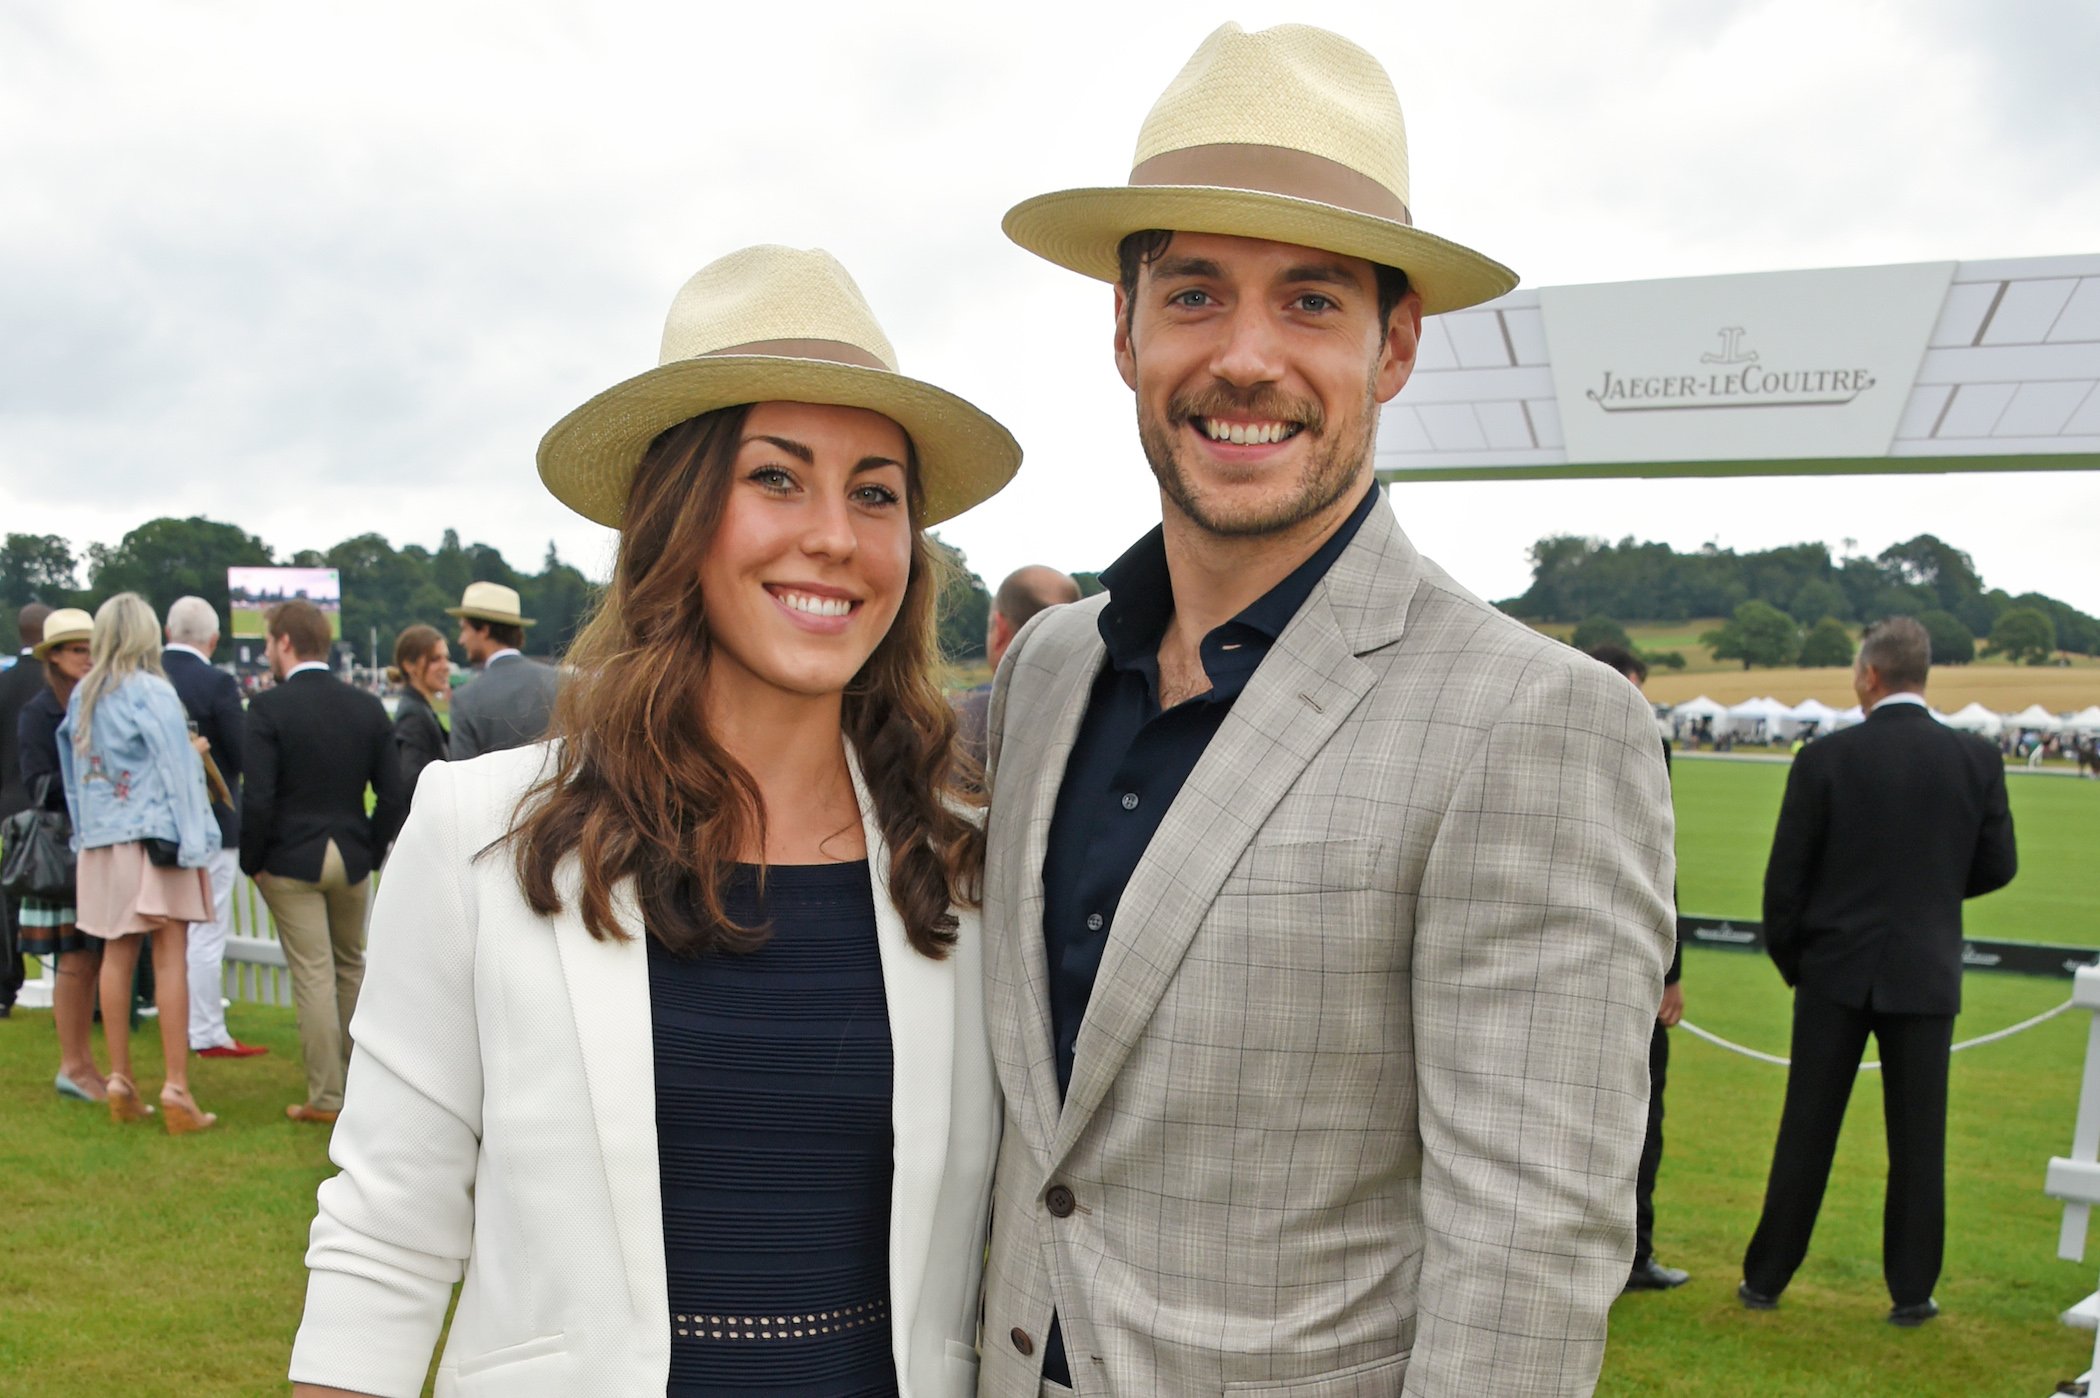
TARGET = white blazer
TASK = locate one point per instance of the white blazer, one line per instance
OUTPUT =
(501, 1122)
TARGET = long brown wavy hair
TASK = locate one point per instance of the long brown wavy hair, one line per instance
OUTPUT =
(641, 789)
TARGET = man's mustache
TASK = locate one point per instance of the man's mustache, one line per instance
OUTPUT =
(1264, 404)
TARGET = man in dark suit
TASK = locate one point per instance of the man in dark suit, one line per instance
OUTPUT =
(314, 745)
(213, 700)
(19, 683)
(511, 702)
(1648, 1273)
(1884, 830)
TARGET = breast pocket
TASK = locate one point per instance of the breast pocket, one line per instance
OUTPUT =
(1292, 867)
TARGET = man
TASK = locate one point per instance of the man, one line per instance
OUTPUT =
(1649, 1274)
(1025, 592)
(213, 699)
(314, 745)
(512, 701)
(1885, 828)
(1326, 907)
(19, 683)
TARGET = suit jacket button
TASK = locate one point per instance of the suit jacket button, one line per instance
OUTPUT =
(1059, 1201)
(1021, 1340)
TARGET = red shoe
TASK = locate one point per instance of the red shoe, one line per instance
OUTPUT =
(236, 1049)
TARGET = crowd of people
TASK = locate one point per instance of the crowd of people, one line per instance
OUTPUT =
(1261, 986)
(174, 784)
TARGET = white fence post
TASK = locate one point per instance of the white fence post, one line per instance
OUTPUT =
(2076, 1179)
(254, 971)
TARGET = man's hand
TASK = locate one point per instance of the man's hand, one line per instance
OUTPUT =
(1672, 1007)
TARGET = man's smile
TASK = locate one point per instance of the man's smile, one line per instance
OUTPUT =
(1246, 433)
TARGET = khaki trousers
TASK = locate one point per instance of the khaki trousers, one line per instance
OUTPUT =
(321, 926)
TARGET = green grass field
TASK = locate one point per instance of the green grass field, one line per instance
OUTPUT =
(1726, 812)
(142, 1265)
(2011, 1107)
(139, 1263)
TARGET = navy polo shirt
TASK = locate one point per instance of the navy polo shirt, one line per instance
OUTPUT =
(1131, 759)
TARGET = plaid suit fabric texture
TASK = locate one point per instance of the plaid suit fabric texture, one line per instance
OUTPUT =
(1361, 1089)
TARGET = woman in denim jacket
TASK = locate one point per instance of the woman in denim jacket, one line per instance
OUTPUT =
(133, 776)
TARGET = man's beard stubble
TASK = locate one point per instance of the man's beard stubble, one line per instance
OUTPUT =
(1329, 471)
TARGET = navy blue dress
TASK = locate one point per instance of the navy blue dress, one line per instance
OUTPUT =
(773, 1083)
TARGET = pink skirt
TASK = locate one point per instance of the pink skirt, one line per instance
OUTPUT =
(118, 891)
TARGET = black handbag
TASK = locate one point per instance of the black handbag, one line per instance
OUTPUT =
(38, 851)
(162, 854)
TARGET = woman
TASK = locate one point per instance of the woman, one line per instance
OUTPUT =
(47, 926)
(135, 787)
(722, 1116)
(423, 670)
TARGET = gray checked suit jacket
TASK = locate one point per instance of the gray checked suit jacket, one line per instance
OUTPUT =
(1360, 1092)
(508, 705)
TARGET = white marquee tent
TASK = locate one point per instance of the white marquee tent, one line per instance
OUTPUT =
(1975, 718)
(2086, 720)
(1809, 713)
(1756, 717)
(1692, 711)
(2034, 717)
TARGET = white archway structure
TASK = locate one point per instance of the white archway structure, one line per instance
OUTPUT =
(1922, 367)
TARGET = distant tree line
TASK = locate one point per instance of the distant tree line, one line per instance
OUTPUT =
(1790, 605)
(384, 588)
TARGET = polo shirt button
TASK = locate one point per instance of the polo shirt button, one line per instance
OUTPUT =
(1021, 1340)
(1059, 1201)
(1130, 800)
(1093, 922)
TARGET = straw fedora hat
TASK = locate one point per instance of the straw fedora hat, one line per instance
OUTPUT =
(772, 324)
(487, 601)
(65, 624)
(1291, 134)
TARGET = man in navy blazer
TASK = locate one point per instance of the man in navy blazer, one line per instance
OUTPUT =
(1884, 830)
(315, 745)
(213, 700)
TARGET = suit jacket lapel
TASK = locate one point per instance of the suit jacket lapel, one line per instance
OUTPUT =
(608, 986)
(921, 996)
(1305, 687)
(1018, 973)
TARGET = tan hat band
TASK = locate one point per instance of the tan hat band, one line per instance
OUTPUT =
(836, 351)
(1294, 174)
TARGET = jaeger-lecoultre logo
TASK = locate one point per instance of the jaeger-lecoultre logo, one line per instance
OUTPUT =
(1732, 351)
(1737, 380)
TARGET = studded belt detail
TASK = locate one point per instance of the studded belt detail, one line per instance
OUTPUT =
(737, 1326)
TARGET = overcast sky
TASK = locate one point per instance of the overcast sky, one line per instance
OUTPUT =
(328, 268)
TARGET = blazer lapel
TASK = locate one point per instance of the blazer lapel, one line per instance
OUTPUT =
(608, 986)
(1024, 804)
(1305, 687)
(921, 996)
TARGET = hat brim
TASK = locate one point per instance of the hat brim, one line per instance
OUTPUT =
(588, 458)
(1081, 229)
(43, 648)
(500, 618)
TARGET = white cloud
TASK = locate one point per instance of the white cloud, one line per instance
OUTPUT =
(330, 268)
